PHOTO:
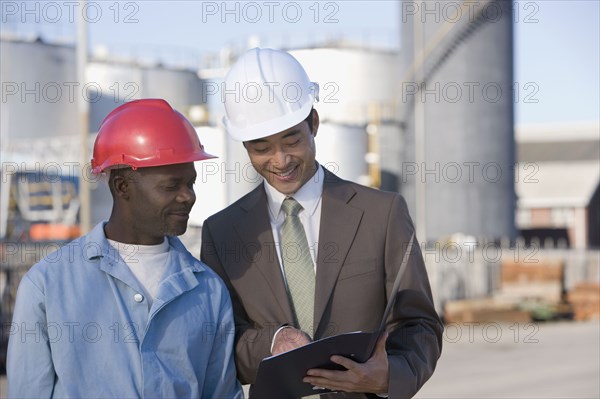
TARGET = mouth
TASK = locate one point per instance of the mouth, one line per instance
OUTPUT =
(181, 214)
(287, 175)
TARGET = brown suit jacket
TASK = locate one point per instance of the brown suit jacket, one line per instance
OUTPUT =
(363, 235)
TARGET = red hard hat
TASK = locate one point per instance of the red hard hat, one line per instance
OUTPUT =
(144, 133)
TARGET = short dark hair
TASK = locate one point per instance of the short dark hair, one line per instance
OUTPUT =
(309, 120)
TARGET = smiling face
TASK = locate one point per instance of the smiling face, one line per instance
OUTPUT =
(153, 202)
(286, 160)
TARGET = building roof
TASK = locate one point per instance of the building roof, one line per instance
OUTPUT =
(556, 184)
(558, 132)
(555, 143)
(582, 150)
(558, 165)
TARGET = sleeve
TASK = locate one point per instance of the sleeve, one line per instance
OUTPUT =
(30, 369)
(221, 380)
(415, 330)
(252, 342)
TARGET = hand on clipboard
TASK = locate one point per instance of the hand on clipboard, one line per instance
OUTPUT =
(371, 376)
(283, 376)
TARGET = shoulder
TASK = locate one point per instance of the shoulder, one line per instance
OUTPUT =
(211, 286)
(55, 254)
(59, 263)
(211, 278)
(359, 194)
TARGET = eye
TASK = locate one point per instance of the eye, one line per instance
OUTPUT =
(261, 150)
(294, 143)
(170, 184)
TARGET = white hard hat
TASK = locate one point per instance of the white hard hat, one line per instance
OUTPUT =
(265, 92)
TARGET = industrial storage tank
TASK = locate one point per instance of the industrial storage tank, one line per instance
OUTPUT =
(352, 81)
(39, 107)
(342, 149)
(39, 138)
(39, 90)
(114, 83)
(182, 88)
(357, 95)
(457, 114)
(236, 175)
(119, 81)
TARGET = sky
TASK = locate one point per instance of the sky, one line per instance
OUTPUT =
(556, 52)
(560, 53)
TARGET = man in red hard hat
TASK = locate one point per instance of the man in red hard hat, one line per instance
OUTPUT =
(126, 310)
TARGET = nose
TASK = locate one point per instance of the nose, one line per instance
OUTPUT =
(186, 195)
(280, 159)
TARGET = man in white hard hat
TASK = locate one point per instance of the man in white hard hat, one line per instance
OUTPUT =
(126, 311)
(308, 255)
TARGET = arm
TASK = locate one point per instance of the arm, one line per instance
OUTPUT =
(415, 331)
(221, 380)
(415, 340)
(252, 341)
(29, 365)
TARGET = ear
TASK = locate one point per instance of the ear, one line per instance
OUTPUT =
(315, 122)
(120, 186)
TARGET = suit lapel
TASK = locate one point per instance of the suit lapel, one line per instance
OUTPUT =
(254, 230)
(339, 224)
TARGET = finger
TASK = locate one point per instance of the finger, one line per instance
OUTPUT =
(331, 375)
(327, 384)
(319, 382)
(344, 361)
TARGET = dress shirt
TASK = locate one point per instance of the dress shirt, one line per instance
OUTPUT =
(81, 328)
(309, 196)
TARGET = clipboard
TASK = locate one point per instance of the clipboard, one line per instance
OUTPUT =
(280, 376)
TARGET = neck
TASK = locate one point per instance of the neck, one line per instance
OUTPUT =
(120, 228)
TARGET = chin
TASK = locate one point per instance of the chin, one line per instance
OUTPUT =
(288, 189)
(176, 231)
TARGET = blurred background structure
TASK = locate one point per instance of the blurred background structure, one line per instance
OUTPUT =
(507, 213)
(456, 116)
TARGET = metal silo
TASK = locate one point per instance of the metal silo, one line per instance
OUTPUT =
(39, 90)
(38, 133)
(357, 96)
(457, 113)
(116, 83)
(342, 149)
(121, 81)
(182, 88)
(232, 171)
